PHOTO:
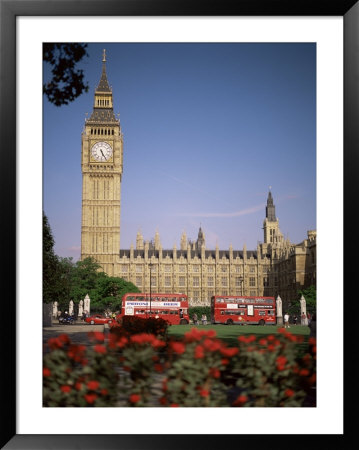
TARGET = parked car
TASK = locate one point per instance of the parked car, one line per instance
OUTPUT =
(98, 319)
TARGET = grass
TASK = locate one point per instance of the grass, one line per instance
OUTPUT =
(229, 333)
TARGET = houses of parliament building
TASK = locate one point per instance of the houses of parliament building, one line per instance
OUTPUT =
(275, 267)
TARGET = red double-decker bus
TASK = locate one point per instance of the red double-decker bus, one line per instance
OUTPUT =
(243, 310)
(170, 307)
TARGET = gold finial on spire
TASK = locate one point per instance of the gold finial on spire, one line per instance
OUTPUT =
(104, 55)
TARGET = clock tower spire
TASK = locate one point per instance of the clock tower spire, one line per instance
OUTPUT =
(101, 163)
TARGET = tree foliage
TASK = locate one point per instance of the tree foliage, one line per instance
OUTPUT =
(310, 295)
(67, 82)
(86, 277)
(51, 268)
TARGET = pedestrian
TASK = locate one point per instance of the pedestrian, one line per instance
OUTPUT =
(195, 319)
(181, 313)
(295, 320)
(204, 319)
(308, 318)
(286, 320)
(313, 326)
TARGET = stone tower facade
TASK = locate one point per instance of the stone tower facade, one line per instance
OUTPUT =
(101, 163)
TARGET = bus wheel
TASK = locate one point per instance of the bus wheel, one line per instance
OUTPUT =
(261, 322)
(229, 322)
(183, 322)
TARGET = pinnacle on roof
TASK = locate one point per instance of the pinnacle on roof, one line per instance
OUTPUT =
(103, 85)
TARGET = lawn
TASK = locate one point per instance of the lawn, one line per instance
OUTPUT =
(230, 333)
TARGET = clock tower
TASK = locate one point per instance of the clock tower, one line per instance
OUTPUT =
(101, 163)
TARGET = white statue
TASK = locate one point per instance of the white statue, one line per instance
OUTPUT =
(81, 308)
(54, 309)
(71, 308)
(279, 310)
(87, 304)
(303, 311)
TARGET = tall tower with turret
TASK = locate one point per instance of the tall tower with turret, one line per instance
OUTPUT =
(101, 163)
(272, 233)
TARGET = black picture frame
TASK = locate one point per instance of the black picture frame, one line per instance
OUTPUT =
(9, 10)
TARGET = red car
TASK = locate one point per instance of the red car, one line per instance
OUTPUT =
(98, 319)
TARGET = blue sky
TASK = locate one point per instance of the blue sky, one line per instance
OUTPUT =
(207, 129)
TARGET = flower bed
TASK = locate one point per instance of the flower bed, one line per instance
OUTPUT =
(198, 370)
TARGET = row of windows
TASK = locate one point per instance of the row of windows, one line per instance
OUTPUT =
(102, 131)
(196, 281)
(103, 102)
(195, 269)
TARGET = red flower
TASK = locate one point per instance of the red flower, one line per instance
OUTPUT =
(199, 352)
(65, 389)
(64, 338)
(312, 341)
(54, 343)
(312, 378)
(142, 338)
(134, 398)
(163, 400)
(240, 400)
(104, 392)
(211, 333)
(224, 361)
(229, 352)
(78, 386)
(46, 372)
(194, 335)
(164, 385)
(99, 336)
(214, 372)
(263, 341)
(281, 362)
(204, 393)
(158, 367)
(90, 398)
(304, 372)
(100, 348)
(156, 343)
(178, 347)
(93, 385)
(289, 392)
(211, 345)
(174, 405)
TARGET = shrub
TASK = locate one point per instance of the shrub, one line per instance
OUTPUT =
(198, 370)
(134, 325)
(74, 375)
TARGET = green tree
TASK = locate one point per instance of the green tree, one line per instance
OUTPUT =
(87, 277)
(67, 82)
(52, 286)
(310, 295)
(109, 292)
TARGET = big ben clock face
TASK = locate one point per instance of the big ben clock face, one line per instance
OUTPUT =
(101, 151)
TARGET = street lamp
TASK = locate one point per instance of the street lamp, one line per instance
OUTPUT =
(150, 265)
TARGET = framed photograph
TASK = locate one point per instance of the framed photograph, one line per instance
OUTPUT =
(332, 31)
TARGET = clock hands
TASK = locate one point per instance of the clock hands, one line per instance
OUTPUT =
(102, 153)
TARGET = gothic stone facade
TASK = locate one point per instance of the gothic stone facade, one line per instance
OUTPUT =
(275, 267)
